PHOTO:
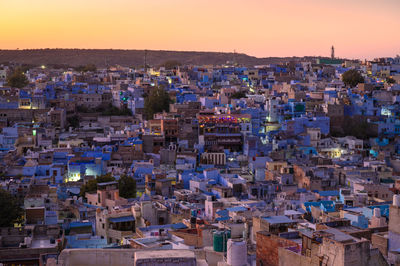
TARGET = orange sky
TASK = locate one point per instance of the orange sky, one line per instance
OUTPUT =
(357, 28)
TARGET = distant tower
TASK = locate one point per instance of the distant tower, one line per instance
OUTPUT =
(333, 52)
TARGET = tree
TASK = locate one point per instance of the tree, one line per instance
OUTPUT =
(73, 121)
(171, 64)
(127, 187)
(238, 95)
(105, 110)
(360, 128)
(352, 77)
(17, 79)
(157, 101)
(112, 110)
(86, 68)
(390, 80)
(91, 185)
(105, 178)
(126, 184)
(26, 67)
(11, 212)
(215, 87)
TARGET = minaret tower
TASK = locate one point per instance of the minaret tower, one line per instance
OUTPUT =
(333, 52)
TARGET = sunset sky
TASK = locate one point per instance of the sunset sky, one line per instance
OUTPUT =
(357, 28)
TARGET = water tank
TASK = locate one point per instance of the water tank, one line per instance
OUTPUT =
(236, 253)
(396, 200)
(220, 239)
(377, 212)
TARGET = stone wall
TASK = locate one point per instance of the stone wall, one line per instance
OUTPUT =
(394, 221)
(267, 248)
(190, 239)
(380, 242)
(259, 225)
(290, 258)
(96, 257)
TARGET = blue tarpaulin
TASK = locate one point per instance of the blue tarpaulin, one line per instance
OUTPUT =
(122, 219)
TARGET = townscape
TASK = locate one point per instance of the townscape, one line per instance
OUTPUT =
(294, 163)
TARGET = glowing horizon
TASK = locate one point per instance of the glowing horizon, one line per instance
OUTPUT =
(357, 28)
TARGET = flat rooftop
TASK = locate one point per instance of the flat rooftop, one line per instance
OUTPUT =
(43, 243)
(159, 254)
(280, 219)
(339, 236)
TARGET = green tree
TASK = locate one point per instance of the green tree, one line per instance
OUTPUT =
(112, 110)
(360, 128)
(25, 67)
(90, 67)
(352, 77)
(215, 87)
(73, 121)
(82, 109)
(105, 178)
(171, 64)
(127, 187)
(105, 110)
(390, 80)
(11, 212)
(157, 101)
(17, 79)
(86, 68)
(238, 95)
(91, 185)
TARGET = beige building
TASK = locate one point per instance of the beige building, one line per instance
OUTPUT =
(107, 196)
(115, 225)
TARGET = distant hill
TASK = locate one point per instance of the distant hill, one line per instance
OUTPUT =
(101, 58)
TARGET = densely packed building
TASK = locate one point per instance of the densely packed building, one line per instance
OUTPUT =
(284, 164)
